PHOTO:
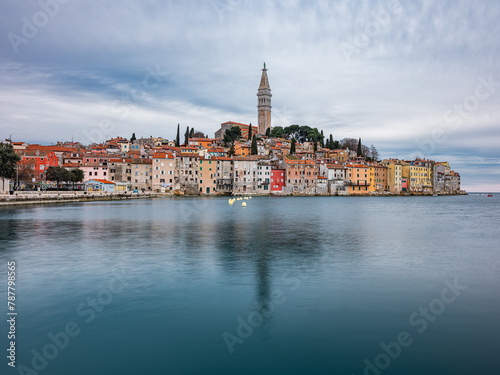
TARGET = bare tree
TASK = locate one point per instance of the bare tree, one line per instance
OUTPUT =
(374, 153)
(350, 143)
(26, 172)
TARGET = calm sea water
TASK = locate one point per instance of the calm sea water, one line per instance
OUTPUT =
(327, 285)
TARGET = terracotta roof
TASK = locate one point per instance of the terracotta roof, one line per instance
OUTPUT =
(246, 158)
(141, 161)
(335, 166)
(187, 154)
(221, 158)
(52, 148)
(33, 153)
(163, 155)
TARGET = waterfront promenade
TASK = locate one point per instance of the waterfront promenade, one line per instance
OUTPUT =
(38, 197)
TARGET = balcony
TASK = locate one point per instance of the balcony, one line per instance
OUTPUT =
(358, 183)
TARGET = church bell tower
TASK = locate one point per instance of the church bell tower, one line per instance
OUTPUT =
(264, 103)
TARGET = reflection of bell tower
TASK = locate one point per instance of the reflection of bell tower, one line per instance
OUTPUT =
(264, 103)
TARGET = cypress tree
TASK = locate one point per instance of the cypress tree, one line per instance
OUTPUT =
(249, 131)
(268, 132)
(331, 142)
(254, 145)
(133, 138)
(322, 139)
(359, 152)
(292, 148)
(186, 136)
(178, 137)
(191, 133)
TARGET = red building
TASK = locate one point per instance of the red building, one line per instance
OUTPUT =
(278, 178)
(404, 184)
(37, 161)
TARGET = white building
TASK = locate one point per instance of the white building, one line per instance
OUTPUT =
(263, 178)
(245, 175)
(163, 172)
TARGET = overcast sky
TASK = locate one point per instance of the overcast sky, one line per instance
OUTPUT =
(410, 77)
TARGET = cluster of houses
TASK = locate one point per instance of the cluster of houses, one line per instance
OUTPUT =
(203, 167)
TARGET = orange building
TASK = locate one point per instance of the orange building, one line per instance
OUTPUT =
(358, 178)
(201, 142)
(207, 182)
(242, 149)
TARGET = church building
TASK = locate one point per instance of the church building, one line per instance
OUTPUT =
(263, 111)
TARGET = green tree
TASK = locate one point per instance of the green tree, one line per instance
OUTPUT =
(231, 135)
(322, 139)
(133, 138)
(292, 131)
(312, 135)
(305, 133)
(191, 133)
(254, 146)
(359, 151)
(268, 132)
(277, 132)
(178, 137)
(231, 151)
(186, 136)
(327, 143)
(336, 144)
(58, 174)
(249, 132)
(76, 175)
(331, 144)
(8, 161)
(292, 148)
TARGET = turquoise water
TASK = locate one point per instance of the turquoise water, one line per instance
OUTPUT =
(283, 286)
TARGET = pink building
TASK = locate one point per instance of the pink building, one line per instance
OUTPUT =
(94, 171)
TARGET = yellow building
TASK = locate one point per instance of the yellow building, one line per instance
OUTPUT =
(418, 174)
(394, 175)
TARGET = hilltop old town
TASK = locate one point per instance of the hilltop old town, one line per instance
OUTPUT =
(240, 159)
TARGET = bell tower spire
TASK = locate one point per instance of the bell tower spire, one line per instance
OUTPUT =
(264, 103)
